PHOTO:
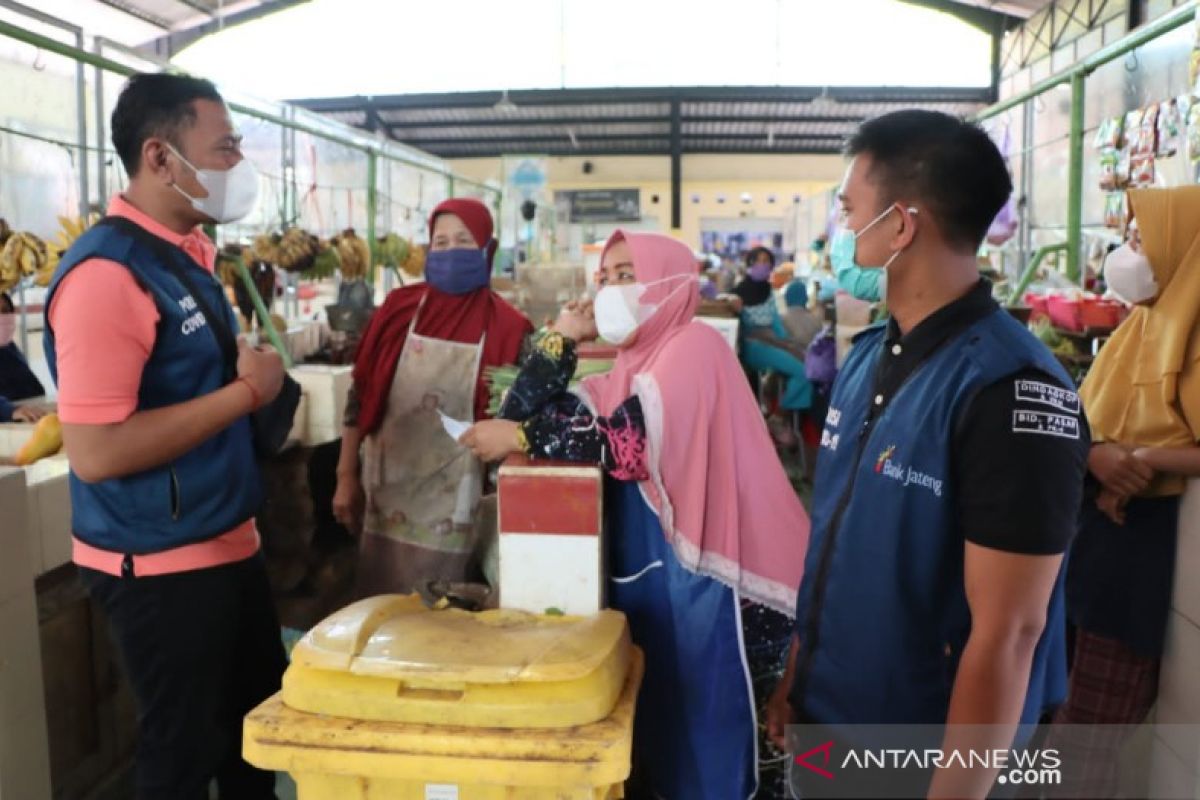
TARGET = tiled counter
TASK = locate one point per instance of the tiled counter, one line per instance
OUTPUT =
(324, 398)
(47, 500)
(24, 749)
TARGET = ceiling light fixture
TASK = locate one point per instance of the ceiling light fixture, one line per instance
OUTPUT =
(504, 105)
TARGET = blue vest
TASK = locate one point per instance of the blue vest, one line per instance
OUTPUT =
(882, 611)
(205, 492)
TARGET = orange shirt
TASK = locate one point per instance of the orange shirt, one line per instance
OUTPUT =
(104, 329)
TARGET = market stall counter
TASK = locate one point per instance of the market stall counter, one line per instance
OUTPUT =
(47, 525)
(24, 756)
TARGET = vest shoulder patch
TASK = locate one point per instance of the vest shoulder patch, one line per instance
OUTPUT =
(1045, 423)
(1047, 394)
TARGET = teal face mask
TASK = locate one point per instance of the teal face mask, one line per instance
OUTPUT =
(864, 283)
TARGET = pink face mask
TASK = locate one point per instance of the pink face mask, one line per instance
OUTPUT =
(8, 328)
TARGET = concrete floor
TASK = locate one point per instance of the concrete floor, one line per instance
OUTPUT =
(121, 788)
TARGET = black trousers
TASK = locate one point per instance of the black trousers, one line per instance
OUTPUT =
(201, 649)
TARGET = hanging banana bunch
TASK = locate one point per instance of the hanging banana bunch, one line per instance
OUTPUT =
(24, 255)
(414, 264)
(392, 250)
(297, 250)
(70, 229)
(266, 248)
(326, 263)
(354, 254)
(10, 272)
(227, 264)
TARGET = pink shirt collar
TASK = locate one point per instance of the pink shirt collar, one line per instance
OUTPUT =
(196, 244)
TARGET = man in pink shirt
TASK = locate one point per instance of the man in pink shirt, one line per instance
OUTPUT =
(164, 484)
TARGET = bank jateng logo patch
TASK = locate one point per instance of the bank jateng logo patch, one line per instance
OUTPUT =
(889, 467)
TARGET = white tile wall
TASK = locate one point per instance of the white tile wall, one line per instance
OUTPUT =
(1178, 708)
(1187, 562)
(1170, 777)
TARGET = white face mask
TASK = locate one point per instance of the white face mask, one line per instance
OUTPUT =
(1129, 275)
(232, 193)
(619, 311)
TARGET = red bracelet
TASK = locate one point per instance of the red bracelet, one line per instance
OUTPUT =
(255, 397)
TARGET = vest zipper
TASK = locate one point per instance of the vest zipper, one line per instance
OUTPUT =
(175, 499)
(812, 623)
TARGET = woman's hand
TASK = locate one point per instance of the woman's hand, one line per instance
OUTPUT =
(29, 413)
(1113, 505)
(492, 439)
(349, 501)
(577, 321)
(1119, 469)
(779, 715)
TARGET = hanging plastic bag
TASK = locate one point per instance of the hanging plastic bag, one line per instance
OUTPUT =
(1115, 211)
(1004, 225)
(1008, 220)
(820, 360)
(1170, 128)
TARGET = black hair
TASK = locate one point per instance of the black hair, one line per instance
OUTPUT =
(155, 104)
(752, 255)
(7, 302)
(948, 165)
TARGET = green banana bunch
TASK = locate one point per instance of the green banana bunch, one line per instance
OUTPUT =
(326, 263)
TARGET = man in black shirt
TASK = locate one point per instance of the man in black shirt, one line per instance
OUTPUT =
(950, 472)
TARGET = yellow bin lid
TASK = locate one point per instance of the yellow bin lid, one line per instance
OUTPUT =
(391, 659)
(340, 758)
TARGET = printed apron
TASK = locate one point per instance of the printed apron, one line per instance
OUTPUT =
(423, 488)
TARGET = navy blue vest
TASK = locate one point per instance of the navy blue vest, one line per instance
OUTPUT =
(882, 612)
(209, 490)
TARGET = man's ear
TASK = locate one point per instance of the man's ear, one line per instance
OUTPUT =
(154, 157)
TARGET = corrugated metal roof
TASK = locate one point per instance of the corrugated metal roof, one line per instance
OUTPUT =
(642, 120)
(1016, 8)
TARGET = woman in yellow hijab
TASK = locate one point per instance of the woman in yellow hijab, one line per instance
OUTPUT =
(1142, 400)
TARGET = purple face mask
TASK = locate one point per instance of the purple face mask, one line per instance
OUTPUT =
(457, 271)
(760, 272)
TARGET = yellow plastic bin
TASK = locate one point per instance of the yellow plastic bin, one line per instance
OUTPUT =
(390, 659)
(386, 699)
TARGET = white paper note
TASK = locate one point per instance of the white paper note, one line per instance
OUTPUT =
(454, 427)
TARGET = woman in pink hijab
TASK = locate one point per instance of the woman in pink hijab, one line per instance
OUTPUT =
(702, 521)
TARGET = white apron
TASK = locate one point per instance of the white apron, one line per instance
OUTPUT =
(423, 488)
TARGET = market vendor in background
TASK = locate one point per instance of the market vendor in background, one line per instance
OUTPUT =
(802, 323)
(764, 338)
(1142, 400)
(414, 492)
(707, 535)
(17, 381)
